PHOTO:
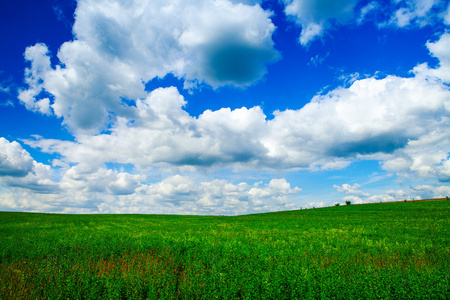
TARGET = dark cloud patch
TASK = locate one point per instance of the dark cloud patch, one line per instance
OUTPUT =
(237, 64)
(384, 143)
(9, 170)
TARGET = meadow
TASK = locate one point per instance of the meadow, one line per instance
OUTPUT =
(375, 251)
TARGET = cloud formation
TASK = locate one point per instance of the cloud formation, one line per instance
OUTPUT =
(119, 46)
(89, 188)
(83, 191)
(392, 119)
(14, 160)
(402, 122)
(412, 193)
(97, 87)
(316, 16)
(414, 12)
(351, 189)
(19, 169)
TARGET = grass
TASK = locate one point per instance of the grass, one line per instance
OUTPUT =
(377, 251)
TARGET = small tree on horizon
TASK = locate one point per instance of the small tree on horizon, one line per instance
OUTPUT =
(348, 202)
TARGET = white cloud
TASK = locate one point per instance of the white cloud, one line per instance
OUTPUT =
(367, 10)
(40, 180)
(353, 199)
(14, 160)
(89, 179)
(90, 188)
(90, 191)
(182, 194)
(34, 77)
(397, 164)
(417, 12)
(318, 60)
(315, 16)
(427, 155)
(319, 16)
(351, 189)
(440, 50)
(412, 193)
(371, 116)
(3, 88)
(446, 15)
(316, 204)
(119, 46)
(163, 133)
(19, 169)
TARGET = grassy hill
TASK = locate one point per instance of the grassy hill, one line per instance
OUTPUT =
(378, 251)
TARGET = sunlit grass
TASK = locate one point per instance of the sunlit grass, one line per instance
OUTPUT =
(385, 251)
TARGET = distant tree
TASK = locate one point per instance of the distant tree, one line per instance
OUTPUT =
(336, 204)
(348, 202)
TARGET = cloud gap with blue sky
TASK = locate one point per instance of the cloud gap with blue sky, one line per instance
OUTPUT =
(222, 107)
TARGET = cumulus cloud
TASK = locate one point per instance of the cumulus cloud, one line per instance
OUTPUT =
(163, 133)
(14, 160)
(222, 196)
(412, 193)
(92, 191)
(371, 116)
(91, 188)
(428, 155)
(119, 46)
(316, 16)
(19, 169)
(351, 189)
(34, 77)
(101, 180)
(40, 180)
(440, 50)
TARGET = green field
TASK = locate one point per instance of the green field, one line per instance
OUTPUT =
(374, 251)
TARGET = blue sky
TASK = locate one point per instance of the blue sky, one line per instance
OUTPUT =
(222, 107)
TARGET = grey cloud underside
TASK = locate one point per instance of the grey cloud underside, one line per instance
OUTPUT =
(14, 161)
(201, 160)
(35, 187)
(236, 64)
(384, 143)
(8, 171)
